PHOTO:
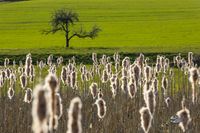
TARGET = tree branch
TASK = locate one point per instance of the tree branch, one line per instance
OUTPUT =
(50, 31)
(83, 34)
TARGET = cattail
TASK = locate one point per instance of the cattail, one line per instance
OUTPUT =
(126, 62)
(23, 80)
(59, 106)
(73, 79)
(146, 119)
(193, 78)
(101, 107)
(146, 61)
(109, 68)
(113, 86)
(6, 62)
(132, 89)
(124, 85)
(83, 77)
(12, 79)
(137, 73)
(87, 76)
(28, 64)
(158, 67)
(41, 64)
(11, 93)
(147, 73)
(52, 82)
(40, 110)
(52, 69)
(104, 77)
(94, 90)
(8, 72)
(1, 81)
(28, 95)
(147, 86)
(63, 75)
(178, 60)
(190, 58)
(124, 72)
(52, 85)
(140, 60)
(75, 116)
(155, 85)
(32, 70)
(116, 57)
(194, 75)
(108, 59)
(150, 101)
(59, 60)
(164, 84)
(100, 94)
(162, 61)
(94, 57)
(20, 70)
(117, 65)
(50, 60)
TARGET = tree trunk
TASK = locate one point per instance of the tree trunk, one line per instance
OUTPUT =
(67, 41)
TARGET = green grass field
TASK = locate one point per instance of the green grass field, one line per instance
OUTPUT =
(133, 25)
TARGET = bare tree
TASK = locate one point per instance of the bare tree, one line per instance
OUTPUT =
(63, 20)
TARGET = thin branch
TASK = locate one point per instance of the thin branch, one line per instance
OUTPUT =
(50, 31)
(83, 34)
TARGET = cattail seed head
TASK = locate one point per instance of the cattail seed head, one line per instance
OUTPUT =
(73, 79)
(194, 75)
(104, 77)
(94, 90)
(74, 116)
(23, 80)
(64, 75)
(59, 106)
(28, 95)
(11, 92)
(124, 85)
(101, 107)
(40, 110)
(132, 89)
(146, 119)
(151, 101)
(51, 82)
(6, 62)
(190, 58)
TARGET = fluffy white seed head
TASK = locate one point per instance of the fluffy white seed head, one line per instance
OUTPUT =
(59, 106)
(94, 90)
(75, 116)
(11, 92)
(40, 110)
(23, 81)
(101, 108)
(28, 95)
(146, 119)
(132, 89)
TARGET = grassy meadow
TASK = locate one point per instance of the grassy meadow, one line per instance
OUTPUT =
(147, 26)
(140, 75)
